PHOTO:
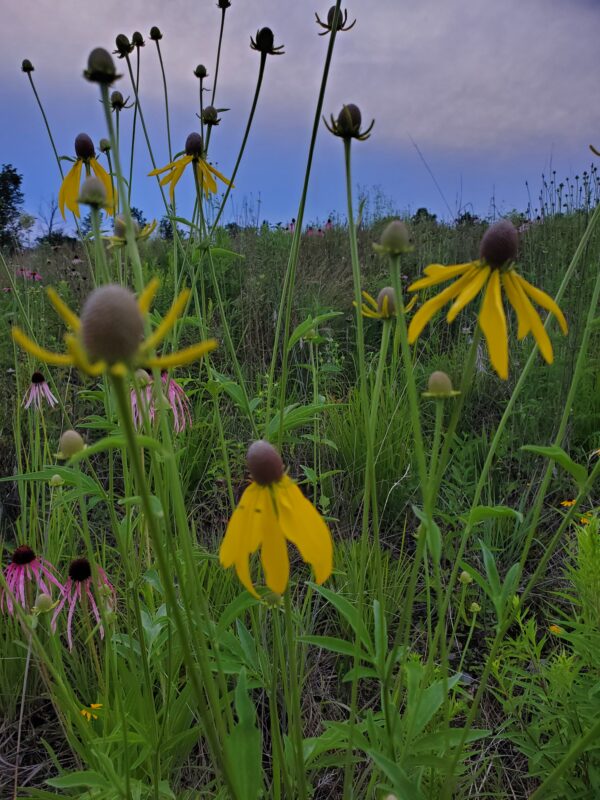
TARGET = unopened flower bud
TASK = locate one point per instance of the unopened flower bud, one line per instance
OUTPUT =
(117, 101)
(70, 443)
(92, 192)
(331, 17)
(349, 121)
(123, 45)
(264, 463)
(395, 239)
(265, 40)
(112, 326)
(155, 34)
(210, 116)
(475, 608)
(104, 145)
(137, 39)
(101, 67)
(120, 229)
(26, 65)
(439, 385)
(499, 244)
(465, 577)
(223, 4)
(43, 603)
(386, 302)
(200, 72)
(84, 147)
(56, 480)
(143, 378)
(194, 146)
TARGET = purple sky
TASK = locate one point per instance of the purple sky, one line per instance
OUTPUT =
(492, 93)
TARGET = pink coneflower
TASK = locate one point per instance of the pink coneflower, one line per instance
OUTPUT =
(28, 274)
(38, 390)
(180, 405)
(79, 586)
(142, 400)
(26, 567)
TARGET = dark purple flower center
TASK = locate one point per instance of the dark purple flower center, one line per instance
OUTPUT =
(23, 555)
(37, 378)
(80, 570)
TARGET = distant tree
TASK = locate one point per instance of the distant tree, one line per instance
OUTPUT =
(466, 218)
(11, 200)
(139, 217)
(51, 234)
(165, 229)
(423, 215)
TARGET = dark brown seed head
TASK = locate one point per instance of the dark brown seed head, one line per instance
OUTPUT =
(38, 378)
(349, 121)
(23, 554)
(264, 463)
(210, 116)
(101, 67)
(137, 39)
(123, 45)
(155, 34)
(331, 17)
(112, 326)
(117, 101)
(201, 72)
(26, 65)
(84, 147)
(499, 245)
(80, 570)
(194, 145)
(223, 4)
(386, 302)
(265, 40)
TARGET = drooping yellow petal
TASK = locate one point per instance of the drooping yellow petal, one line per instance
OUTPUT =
(205, 178)
(244, 534)
(367, 312)
(148, 295)
(80, 358)
(273, 552)
(432, 306)
(104, 178)
(219, 175)
(492, 322)
(542, 299)
(62, 309)
(514, 298)
(182, 357)
(174, 177)
(69, 190)
(169, 320)
(370, 300)
(438, 273)
(47, 356)
(411, 303)
(470, 291)
(536, 325)
(305, 528)
(170, 165)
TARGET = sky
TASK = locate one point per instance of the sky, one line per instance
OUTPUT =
(472, 99)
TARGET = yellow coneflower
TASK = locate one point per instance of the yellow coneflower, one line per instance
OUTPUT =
(109, 336)
(68, 194)
(271, 512)
(495, 270)
(88, 712)
(194, 154)
(385, 305)
(119, 237)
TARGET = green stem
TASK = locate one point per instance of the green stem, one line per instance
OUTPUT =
(166, 93)
(296, 715)
(133, 128)
(214, 91)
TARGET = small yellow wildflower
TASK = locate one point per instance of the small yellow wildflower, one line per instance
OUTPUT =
(555, 629)
(567, 503)
(494, 269)
(584, 520)
(109, 337)
(119, 237)
(194, 154)
(385, 305)
(88, 712)
(68, 194)
(271, 511)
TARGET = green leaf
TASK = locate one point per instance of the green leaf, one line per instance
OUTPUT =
(87, 778)
(332, 643)
(244, 746)
(309, 323)
(481, 513)
(555, 453)
(401, 785)
(434, 535)
(348, 611)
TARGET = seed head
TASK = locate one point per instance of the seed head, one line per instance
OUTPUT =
(194, 146)
(112, 326)
(80, 570)
(499, 244)
(117, 102)
(56, 480)
(104, 145)
(101, 67)
(386, 302)
(84, 147)
(475, 608)
(465, 577)
(264, 42)
(201, 72)
(155, 34)
(137, 40)
(123, 45)
(92, 192)
(23, 554)
(395, 239)
(26, 65)
(264, 463)
(440, 385)
(143, 378)
(210, 116)
(223, 4)
(120, 229)
(38, 378)
(70, 443)
(348, 122)
(43, 603)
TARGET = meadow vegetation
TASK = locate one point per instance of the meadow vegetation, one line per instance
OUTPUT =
(226, 396)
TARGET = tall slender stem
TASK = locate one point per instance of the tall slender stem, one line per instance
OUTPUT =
(164, 80)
